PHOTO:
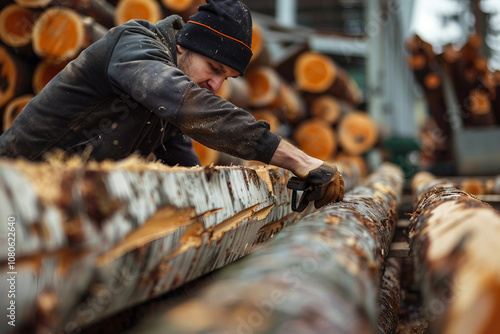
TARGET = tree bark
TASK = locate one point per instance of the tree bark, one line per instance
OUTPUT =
(321, 275)
(453, 239)
(94, 239)
(389, 298)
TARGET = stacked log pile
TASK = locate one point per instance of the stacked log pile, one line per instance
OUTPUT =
(453, 239)
(321, 275)
(93, 239)
(306, 98)
(472, 82)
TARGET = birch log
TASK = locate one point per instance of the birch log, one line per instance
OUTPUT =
(454, 241)
(321, 275)
(94, 239)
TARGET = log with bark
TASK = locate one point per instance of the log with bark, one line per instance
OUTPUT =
(16, 25)
(329, 108)
(321, 275)
(357, 132)
(316, 138)
(60, 34)
(15, 76)
(316, 73)
(237, 91)
(13, 109)
(44, 71)
(93, 239)
(183, 8)
(389, 298)
(100, 10)
(126, 10)
(492, 186)
(454, 239)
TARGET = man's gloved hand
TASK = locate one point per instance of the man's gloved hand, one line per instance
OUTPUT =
(327, 184)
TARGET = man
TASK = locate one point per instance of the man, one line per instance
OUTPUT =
(142, 86)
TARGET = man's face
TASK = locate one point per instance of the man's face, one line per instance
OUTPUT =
(206, 72)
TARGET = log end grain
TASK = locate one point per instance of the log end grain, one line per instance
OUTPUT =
(314, 72)
(16, 24)
(316, 138)
(13, 109)
(126, 10)
(357, 132)
(59, 34)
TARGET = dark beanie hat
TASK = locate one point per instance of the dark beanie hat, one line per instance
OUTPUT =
(222, 31)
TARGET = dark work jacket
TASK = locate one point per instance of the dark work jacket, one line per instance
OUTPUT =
(124, 94)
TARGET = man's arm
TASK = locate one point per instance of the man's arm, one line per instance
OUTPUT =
(325, 179)
(290, 157)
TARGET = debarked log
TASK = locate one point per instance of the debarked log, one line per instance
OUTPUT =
(94, 239)
(454, 239)
(320, 275)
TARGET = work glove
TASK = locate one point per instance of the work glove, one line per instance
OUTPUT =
(327, 185)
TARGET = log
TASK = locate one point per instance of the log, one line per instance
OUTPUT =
(269, 116)
(473, 186)
(33, 3)
(290, 103)
(481, 113)
(16, 25)
(127, 10)
(237, 91)
(453, 239)
(206, 155)
(44, 71)
(265, 84)
(320, 275)
(318, 74)
(329, 108)
(316, 138)
(100, 10)
(183, 8)
(60, 34)
(15, 76)
(93, 239)
(13, 109)
(261, 56)
(492, 186)
(389, 299)
(357, 133)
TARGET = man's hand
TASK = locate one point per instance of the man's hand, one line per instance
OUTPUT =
(327, 183)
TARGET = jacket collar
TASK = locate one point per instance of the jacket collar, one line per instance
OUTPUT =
(168, 27)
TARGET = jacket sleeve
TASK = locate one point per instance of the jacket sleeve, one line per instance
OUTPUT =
(142, 68)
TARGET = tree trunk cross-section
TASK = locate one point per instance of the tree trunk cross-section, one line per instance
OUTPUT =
(454, 241)
(94, 239)
(320, 275)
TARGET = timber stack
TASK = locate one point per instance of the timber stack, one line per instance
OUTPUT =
(321, 275)
(471, 81)
(306, 98)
